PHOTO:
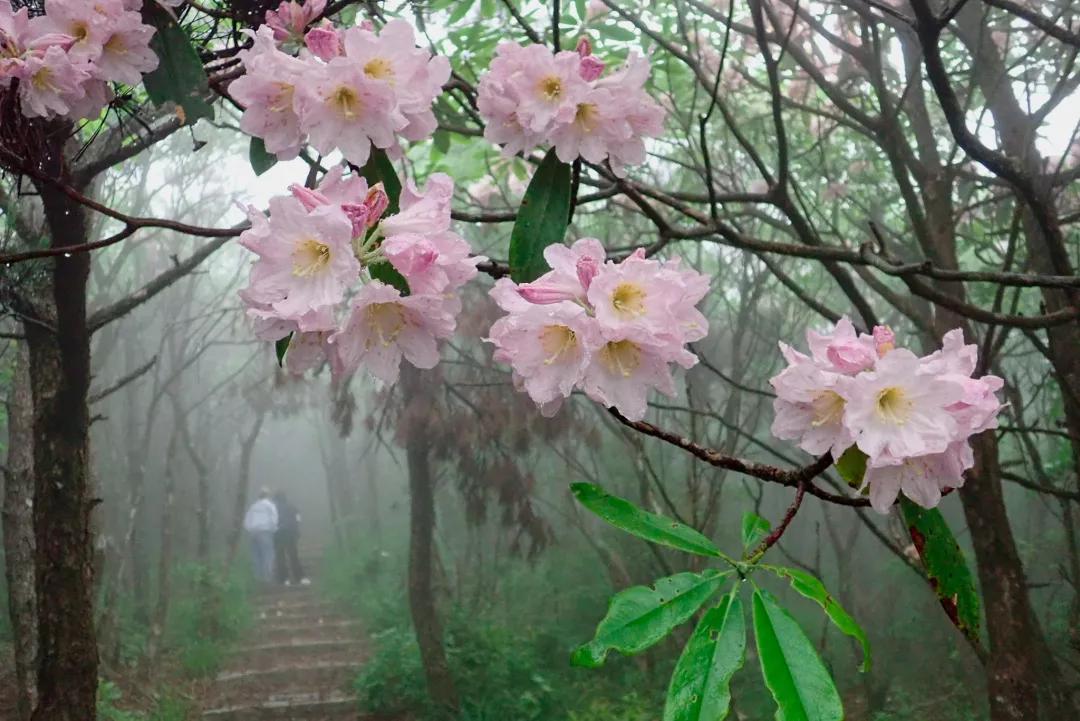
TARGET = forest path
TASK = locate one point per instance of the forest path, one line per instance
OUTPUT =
(298, 662)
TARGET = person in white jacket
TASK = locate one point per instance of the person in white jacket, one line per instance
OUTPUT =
(261, 522)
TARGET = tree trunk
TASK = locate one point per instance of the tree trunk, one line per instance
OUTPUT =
(161, 608)
(19, 533)
(243, 481)
(422, 605)
(59, 343)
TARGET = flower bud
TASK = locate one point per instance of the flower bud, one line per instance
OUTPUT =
(376, 202)
(587, 268)
(310, 199)
(324, 43)
(546, 293)
(884, 339)
(591, 68)
(584, 46)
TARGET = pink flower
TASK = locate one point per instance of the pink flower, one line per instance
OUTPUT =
(125, 53)
(50, 84)
(646, 295)
(884, 339)
(843, 350)
(291, 18)
(808, 408)
(348, 110)
(306, 260)
(307, 351)
(384, 327)
(627, 365)
(897, 411)
(268, 94)
(420, 244)
(548, 347)
(921, 478)
(361, 205)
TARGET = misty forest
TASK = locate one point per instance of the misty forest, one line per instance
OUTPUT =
(500, 360)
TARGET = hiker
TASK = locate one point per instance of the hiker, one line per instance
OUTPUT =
(261, 523)
(285, 543)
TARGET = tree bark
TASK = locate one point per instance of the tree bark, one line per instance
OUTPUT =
(19, 534)
(425, 617)
(243, 482)
(59, 345)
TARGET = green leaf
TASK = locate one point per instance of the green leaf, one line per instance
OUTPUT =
(700, 687)
(815, 590)
(281, 346)
(945, 565)
(459, 12)
(652, 527)
(261, 161)
(541, 219)
(617, 33)
(852, 466)
(379, 169)
(796, 677)
(582, 11)
(179, 76)
(754, 528)
(441, 139)
(640, 616)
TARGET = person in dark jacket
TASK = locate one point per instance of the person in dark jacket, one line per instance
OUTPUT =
(286, 539)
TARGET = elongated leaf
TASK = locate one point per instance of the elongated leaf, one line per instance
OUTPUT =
(281, 347)
(793, 671)
(815, 590)
(379, 169)
(700, 687)
(541, 219)
(260, 159)
(625, 515)
(179, 77)
(640, 616)
(754, 528)
(946, 566)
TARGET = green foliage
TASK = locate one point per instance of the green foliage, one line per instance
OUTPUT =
(851, 466)
(754, 529)
(793, 671)
(641, 616)
(206, 618)
(179, 77)
(541, 219)
(945, 565)
(167, 708)
(281, 347)
(261, 160)
(700, 686)
(650, 526)
(815, 590)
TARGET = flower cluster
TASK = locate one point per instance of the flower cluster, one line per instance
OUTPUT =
(65, 59)
(531, 96)
(345, 90)
(911, 416)
(611, 329)
(313, 250)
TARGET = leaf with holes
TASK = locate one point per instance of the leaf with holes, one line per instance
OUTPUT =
(179, 77)
(945, 566)
(815, 590)
(797, 679)
(541, 219)
(652, 527)
(700, 688)
(640, 616)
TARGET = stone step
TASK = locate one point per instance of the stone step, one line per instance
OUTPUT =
(323, 678)
(292, 657)
(276, 629)
(295, 707)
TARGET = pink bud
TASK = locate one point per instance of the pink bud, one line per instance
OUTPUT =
(546, 293)
(587, 268)
(358, 216)
(591, 68)
(638, 254)
(376, 202)
(324, 43)
(310, 199)
(584, 47)
(884, 339)
(368, 25)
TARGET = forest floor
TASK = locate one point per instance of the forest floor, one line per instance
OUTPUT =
(298, 662)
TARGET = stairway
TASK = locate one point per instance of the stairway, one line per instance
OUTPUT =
(298, 664)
